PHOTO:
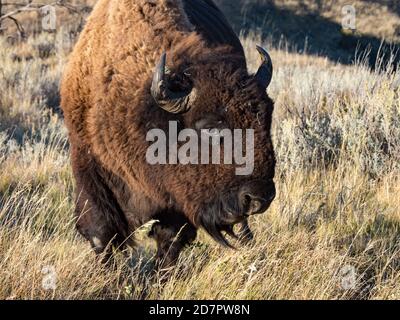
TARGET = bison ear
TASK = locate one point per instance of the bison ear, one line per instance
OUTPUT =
(264, 73)
(172, 101)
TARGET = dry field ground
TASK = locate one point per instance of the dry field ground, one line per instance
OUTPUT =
(332, 233)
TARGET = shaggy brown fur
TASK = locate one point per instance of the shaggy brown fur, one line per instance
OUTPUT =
(109, 109)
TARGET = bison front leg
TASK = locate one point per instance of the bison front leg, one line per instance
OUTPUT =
(99, 216)
(172, 233)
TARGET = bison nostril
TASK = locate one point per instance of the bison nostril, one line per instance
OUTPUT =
(256, 196)
(253, 204)
(246, 200)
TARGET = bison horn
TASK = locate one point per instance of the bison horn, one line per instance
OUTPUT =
(264, 73)
(171, 101)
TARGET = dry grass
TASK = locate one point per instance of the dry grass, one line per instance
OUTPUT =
(337, 137)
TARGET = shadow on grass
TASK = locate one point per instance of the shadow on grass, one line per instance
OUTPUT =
(308, 32)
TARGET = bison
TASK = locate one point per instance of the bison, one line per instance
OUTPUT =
(138, 65)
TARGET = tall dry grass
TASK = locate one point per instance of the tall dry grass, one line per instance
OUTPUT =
(332, 233)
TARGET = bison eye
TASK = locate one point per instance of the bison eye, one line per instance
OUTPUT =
(214, 132)
(210, 124)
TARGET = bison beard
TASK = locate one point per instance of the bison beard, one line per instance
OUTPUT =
(118, 87)
(212, 219)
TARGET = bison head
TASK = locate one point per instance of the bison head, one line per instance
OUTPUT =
(216, 93)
